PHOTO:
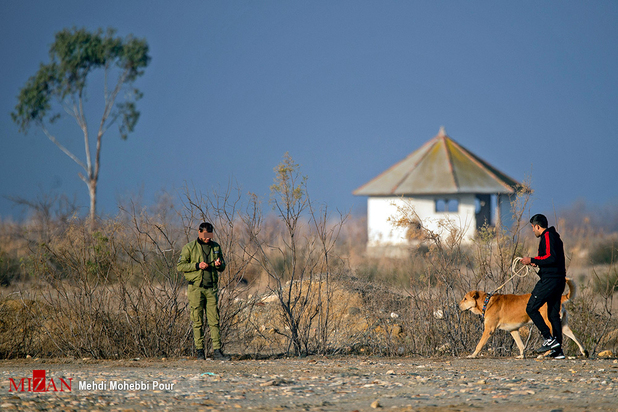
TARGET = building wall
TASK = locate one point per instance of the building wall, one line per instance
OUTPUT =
(382, 233)
(505, 209)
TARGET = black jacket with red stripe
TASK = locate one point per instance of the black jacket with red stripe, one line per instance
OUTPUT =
(551, 255)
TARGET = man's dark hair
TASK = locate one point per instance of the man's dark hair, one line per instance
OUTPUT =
(540, 220)
(206, 227)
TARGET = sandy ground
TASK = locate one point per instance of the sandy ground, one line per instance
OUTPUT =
(315, 384)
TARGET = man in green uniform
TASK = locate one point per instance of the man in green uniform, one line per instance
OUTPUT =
(201, 261)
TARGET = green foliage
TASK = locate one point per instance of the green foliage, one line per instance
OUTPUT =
(61, 84)
(288, 193)
(98, 263)
(9, 268)
(604, 253)
(73, 56)
(130, 116)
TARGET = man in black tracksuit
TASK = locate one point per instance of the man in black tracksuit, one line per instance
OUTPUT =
(552, 271)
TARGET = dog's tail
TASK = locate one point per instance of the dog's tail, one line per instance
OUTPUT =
(571, 293)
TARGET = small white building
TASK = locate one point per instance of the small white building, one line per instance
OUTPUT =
(441, 180)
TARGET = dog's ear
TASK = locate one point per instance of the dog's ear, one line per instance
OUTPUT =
(475, 294)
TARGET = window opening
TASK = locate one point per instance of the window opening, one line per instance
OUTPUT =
(447, 205)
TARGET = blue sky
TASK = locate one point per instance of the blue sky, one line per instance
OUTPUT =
(348, 88)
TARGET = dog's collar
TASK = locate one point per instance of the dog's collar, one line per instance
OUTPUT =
(489, 295)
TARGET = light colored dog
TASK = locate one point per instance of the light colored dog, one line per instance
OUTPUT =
(508, 312)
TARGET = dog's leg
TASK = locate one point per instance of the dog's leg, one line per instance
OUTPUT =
(484, 338)
(566, 330)
(518, 341)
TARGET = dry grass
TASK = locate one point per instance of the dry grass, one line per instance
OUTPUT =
(115, 293)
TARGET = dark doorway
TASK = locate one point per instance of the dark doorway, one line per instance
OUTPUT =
(483, 210)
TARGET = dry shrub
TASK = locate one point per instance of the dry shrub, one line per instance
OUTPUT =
(297, 282)
(442, 269)
(20, 326)
(270, 332)
(108, 294)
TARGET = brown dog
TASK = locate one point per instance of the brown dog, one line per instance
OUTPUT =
(508, 312)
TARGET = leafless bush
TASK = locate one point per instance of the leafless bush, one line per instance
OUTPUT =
(153, 298)
(298, 260)
(297, 281)
(48, 213)
(19, 325)
(108, 293)
(112, 293)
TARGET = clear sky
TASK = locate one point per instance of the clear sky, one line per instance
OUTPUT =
(348, 88)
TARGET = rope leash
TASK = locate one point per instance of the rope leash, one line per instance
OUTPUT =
(516, 272)
(525, 269)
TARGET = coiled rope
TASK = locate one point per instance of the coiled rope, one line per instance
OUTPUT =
(521, 272)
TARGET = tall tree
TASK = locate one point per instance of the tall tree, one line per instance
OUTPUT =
(60, 86)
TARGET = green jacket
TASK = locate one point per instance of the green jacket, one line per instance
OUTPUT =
(192, 254)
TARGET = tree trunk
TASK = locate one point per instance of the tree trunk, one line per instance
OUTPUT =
(92, 190)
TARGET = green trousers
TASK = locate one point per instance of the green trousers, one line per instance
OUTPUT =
(201, 299)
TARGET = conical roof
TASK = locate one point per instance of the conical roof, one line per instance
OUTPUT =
(440, 166)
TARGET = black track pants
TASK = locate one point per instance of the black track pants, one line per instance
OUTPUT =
(548, 290)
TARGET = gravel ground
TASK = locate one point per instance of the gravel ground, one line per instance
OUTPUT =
(316, 384)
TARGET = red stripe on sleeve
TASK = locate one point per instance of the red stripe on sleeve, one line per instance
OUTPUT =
(547, 248)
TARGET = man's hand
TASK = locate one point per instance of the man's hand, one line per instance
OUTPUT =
(203, 265)
(218, 262)
(526, 260)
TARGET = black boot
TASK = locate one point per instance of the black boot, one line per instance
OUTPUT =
(200, 354)
(218, 355)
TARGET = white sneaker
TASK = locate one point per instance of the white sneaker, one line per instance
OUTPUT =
(549, 344)
(557, 354)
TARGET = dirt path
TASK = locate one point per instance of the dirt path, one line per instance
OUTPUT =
(315, 384)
